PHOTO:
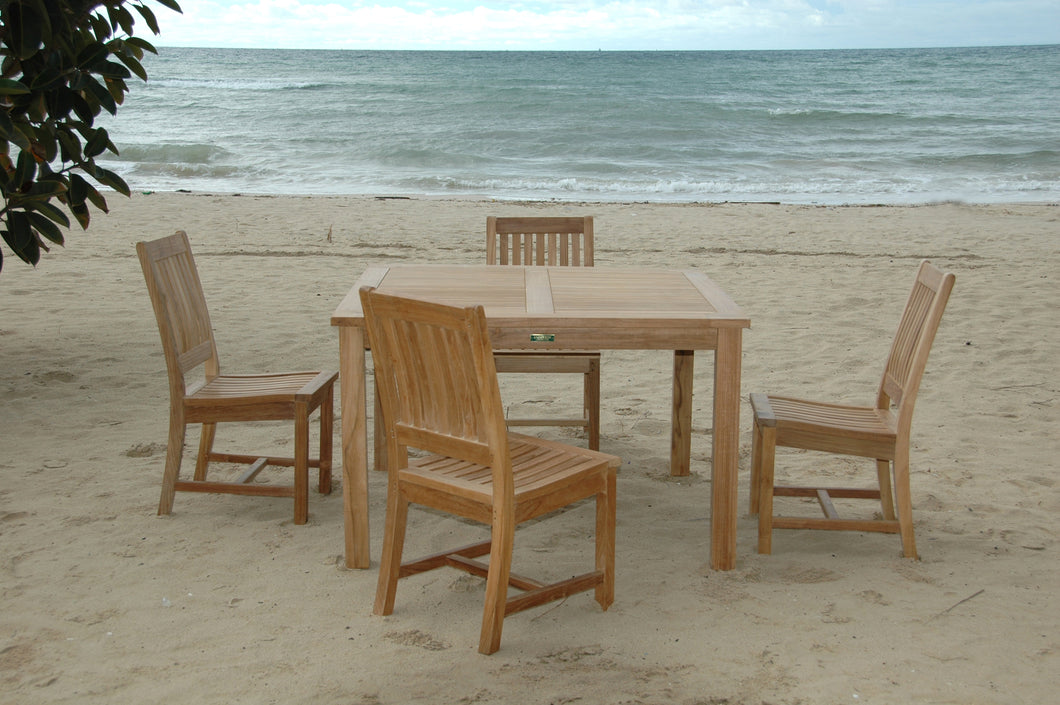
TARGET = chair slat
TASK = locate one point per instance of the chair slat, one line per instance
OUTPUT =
(437, 384)
(549, 241)
(188, 343)
(880, 432)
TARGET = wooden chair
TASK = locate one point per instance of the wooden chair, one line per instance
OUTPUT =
(435, 372)
(880, 431)
(565, 242)
(188, 344)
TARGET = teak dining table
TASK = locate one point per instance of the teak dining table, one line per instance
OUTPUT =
(566, 308)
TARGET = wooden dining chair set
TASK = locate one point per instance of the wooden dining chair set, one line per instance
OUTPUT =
(447, 440)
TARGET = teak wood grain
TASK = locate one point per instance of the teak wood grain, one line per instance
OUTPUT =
(880, 432)
(584, 308)
(435, 372)
(188, 344)
(553, 241)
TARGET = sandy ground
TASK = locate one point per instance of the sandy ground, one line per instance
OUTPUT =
(226, 601)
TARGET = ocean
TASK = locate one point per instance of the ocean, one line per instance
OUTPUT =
(825, 127)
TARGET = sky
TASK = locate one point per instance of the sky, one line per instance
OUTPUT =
(618, 25)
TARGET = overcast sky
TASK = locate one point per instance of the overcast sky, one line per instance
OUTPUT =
(619, 25)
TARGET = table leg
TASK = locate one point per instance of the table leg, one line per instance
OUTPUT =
(681, 434)
(354, 446)
(726, 448)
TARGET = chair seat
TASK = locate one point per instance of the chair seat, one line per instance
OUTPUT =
(538, 467)
(448, 448)
(257, 397)
(190, 351)
(812, 425)
(880, 432)
(237, 389)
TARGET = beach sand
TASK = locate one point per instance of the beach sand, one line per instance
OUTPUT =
(226, 601)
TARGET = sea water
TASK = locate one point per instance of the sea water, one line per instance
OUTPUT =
(842, 126)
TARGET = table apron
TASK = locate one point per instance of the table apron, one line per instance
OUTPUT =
(606, 339)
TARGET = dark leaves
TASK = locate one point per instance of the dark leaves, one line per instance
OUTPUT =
(62, 62)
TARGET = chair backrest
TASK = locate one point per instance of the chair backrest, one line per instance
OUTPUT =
(180, 308)
(540, 241)
(437, 383)
(912, 342)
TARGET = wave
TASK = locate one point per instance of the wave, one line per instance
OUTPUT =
(187, 153)
(238, 84)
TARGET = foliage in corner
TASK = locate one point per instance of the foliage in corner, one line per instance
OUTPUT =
(63, 61)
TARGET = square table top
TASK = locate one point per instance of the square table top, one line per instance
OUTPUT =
(514, 295)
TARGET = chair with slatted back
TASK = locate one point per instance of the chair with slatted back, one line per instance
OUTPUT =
(549, 241)
(188, 344)
(880, 432)
(435, 374)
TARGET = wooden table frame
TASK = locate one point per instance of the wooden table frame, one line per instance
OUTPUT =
(542, 308)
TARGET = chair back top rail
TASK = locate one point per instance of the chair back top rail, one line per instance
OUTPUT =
(540, 241)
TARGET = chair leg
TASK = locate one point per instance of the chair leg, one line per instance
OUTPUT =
(327, 422)
(766, 442)
(605, 541)
(756, 472)
(397, 510)
(883, 472)
(503, 537)
(202, 462)
(592, 403)
(301, 463)
(174, 453)
(905, 503)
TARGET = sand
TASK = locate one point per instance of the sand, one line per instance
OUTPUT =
(226, 601)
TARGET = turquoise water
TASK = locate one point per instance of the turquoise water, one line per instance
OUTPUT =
(871, 126)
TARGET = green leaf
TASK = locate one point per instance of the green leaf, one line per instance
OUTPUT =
(53, 213)
(109, 178)
(70, 145)
(20, 238)
(46, 190)
(96, 199)
(25, 29)
(60, 101)
(81, 214)
(46, 148)
(117, 89)
(171, 4)
(141, 44)
(110, 69)
(82, 108)
(46, 228)
(78, 189)
(25, 170)
(17, 136)
(101, 94)
(121, 46)
(149, 17)
(6, 126)
(100, 27)
(12, 87)
(134, 66)
(97, 143)
(91, 55)
(44, 80)
(120, 17)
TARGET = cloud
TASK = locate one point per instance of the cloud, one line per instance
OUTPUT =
(622, 24)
